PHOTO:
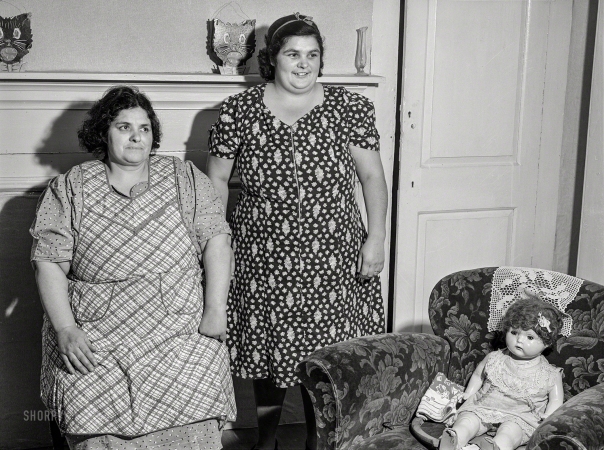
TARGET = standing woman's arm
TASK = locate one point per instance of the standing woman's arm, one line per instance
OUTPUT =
(224, 143)
(219, 172)
(371, 175)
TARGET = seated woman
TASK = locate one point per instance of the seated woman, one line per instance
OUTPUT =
(123, 248)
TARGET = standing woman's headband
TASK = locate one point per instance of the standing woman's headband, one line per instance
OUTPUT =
(295, 18)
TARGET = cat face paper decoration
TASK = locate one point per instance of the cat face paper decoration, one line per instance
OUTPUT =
(15, 41)
(234, 44)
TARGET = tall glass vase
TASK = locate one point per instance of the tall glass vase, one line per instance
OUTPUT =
(360, 59)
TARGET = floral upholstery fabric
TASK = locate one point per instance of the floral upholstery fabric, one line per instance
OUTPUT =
(378, 389)
(367, 386)
(577, 424)
(459, 312)
(397, 439)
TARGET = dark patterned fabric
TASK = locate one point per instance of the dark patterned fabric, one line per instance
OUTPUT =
(297, 231)
(577, 424)
(397, 439)
(366, 386)
(458, 310)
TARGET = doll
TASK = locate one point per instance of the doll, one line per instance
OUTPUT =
(514, 389)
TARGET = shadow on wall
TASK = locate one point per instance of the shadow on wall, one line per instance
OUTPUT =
(197, 147)
(24, 422)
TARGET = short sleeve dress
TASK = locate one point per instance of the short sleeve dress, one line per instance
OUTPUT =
(297, 231)
(135, 288)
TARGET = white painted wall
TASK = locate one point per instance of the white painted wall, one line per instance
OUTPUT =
(170, 35)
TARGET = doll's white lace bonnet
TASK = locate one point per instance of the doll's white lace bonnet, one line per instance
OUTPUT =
(511, 283)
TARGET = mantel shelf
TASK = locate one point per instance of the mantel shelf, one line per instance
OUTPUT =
(188, 78)
(45, 109)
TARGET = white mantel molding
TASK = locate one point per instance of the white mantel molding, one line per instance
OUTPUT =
(32, 102)
(58, 90)
(190, 78)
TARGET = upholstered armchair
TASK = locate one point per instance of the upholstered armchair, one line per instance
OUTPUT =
(366, 390)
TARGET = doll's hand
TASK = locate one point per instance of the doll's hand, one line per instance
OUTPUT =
(214, 322)
(371, 258)
(76, 350)
(466, 396)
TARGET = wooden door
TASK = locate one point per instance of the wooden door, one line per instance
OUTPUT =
(483, 98)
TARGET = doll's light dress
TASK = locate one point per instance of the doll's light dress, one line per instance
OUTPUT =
(513, 391)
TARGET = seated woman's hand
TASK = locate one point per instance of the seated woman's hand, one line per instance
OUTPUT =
(76, 350)
(214, 322)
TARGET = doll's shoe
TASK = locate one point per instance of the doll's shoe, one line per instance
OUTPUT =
(448, 440)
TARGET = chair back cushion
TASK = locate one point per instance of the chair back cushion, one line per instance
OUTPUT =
(365, 386)
(459, 311)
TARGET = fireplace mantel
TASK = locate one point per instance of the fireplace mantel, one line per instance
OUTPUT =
(40, 113)
(174, 78)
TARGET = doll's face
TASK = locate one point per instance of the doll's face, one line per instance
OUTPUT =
(524, 344)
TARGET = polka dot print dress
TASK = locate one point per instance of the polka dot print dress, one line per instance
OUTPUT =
(297, 231)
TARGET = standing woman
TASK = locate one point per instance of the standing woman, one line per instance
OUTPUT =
(306, 271)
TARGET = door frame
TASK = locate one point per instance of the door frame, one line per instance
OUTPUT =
(385, 61)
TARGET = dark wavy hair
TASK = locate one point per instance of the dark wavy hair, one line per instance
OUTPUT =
(93, 131)
(277, 36)
(524, 314)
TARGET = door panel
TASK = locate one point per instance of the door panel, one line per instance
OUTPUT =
(489, 55)
(474, 85)
(443, 234)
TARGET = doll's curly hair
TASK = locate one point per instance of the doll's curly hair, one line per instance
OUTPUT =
(93, 131)
(277, 36)
(524, 314)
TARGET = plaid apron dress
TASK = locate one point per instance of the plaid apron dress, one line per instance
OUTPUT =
(135, 288)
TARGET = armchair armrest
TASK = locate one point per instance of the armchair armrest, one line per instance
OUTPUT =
(365, 385)
(577, 424)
